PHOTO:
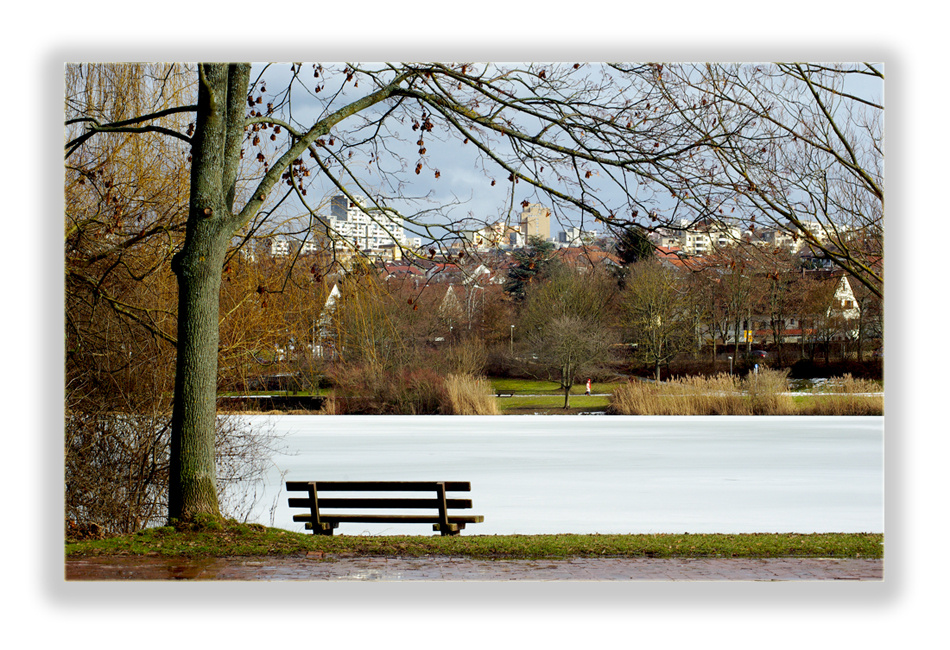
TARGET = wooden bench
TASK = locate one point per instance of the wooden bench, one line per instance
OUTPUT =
(435, 506)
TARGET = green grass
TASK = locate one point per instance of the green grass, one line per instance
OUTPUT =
(230, 539)
(532, 395)
(549, 403)
(530, 386)
(540, 387)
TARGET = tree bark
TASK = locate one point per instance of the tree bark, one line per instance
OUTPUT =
(219, 128)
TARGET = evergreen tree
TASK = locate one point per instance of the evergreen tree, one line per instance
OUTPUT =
(534, 262)
(633, 246)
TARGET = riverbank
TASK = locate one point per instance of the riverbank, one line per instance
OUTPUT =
(212, 538)
(766, 393)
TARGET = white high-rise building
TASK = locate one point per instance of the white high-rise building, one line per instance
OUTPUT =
(350, 227)
(574, 236)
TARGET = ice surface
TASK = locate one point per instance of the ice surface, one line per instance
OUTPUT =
(576, 474)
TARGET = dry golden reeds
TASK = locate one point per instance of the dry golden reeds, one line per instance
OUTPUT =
(719, 395)
(847, 396)
(468, 395)
(762, 393)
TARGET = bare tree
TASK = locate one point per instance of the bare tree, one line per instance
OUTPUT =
(658, 312)
(570, 346)
(566, 324)
(796, 146)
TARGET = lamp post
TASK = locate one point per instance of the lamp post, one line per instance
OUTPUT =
(730, 365)
(511, 342)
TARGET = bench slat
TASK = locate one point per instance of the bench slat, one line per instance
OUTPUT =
(406, 519)
(381, 502)
(381, 486)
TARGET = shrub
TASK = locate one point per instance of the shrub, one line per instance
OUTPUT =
(467, 357)
(369, 390)
(116, 470)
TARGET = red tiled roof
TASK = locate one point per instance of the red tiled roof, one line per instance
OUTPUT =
(585, 256)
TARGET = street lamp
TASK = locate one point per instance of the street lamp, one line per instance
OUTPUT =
(730, 365)
(511, 343)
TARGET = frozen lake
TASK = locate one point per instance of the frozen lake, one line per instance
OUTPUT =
(579, 474)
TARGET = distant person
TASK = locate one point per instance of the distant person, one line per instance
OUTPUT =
(588, 387)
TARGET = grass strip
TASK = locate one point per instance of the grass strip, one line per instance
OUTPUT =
(230, 539)
(592, 403)
(541, 387)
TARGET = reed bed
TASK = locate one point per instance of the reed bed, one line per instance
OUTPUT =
(762, 393)
(849, 385)
(846, 396)
(468, 395)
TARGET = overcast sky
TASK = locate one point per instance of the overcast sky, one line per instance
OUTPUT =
(463, 188)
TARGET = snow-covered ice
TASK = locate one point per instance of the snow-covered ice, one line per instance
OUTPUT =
(571, 474)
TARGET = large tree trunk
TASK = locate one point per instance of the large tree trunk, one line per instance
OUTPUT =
(219, 130)
(192, 480)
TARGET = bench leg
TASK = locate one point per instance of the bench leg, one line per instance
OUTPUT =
(320, 529)
(445, 528)
(448, 529)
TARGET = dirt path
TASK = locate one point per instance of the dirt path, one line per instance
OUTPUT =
(318, 567)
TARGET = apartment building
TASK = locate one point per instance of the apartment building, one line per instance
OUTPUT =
(349, 226)
(536, 221)
(779, 238)
(496, 235)
(283, 246)
(574, 236)
(702, 238)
